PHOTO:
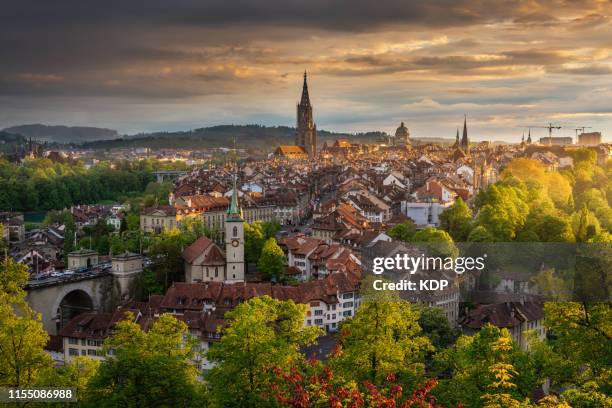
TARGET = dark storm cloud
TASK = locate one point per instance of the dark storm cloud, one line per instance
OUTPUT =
(340, 15)
(92, 42)
(155, 58)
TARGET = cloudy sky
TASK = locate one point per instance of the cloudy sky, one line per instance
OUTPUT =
(174, 65)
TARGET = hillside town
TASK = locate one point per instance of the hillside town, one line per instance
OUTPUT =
(334, 206)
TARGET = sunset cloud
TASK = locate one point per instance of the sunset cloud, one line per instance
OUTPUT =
(153, 65)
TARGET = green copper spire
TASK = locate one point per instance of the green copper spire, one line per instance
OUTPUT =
(234, 209)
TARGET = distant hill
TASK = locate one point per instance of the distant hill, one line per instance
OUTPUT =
(9, 142)
(63, 134)
(247, 136)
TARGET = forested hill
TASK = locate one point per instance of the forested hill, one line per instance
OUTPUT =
(9, 141)
(247, 136)
(63, 134)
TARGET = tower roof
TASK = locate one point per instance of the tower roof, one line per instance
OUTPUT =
(234, 209)
(305, 98)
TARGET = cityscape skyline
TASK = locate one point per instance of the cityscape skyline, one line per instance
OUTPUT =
(141, 69)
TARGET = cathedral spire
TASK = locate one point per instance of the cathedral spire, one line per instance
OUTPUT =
(305, 98)
(529, 137)
(465, 143)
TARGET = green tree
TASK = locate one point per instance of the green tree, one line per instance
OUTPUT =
(166, 252)
(582, 334)
(133, 221)
(77, 374)
(470, 361)
(501, 386)
(403, 232)
(480, 234)
(22, 336)
(436, 327)
(585, 225)
(147, 369)
(261, 335)
(253, 242)
(270, 229)
(551, 286)
(457, 220)
(587, 396)
(438, 242)
(547, 228)
(271, 263)
(384, 337)
(502, 209)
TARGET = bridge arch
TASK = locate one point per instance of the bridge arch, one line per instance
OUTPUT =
(71, 302)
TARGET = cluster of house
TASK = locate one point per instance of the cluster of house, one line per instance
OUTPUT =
(202, 307)
(42, 248)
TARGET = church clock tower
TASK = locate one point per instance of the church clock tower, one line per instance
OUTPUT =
(234, 241)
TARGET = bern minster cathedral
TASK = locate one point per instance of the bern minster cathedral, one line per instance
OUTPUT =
(306, 134)
(306, 130)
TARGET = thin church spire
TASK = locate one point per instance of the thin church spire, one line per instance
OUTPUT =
(305, 97)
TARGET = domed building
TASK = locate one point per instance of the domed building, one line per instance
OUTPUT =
(402, 135)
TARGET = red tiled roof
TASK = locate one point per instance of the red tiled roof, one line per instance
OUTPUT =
(197, 248)
(505, 315)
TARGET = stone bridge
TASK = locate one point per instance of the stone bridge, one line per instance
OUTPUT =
(168, 173)
(60, 299)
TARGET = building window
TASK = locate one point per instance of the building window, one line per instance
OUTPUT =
(235, 231)
(318, 312)
(318, 321)
(73, 352)
(348, 304)
(347, 313)
(72, 340)
(92, 352)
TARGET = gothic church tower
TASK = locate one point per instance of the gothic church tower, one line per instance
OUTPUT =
(465, 142)
(306, 133)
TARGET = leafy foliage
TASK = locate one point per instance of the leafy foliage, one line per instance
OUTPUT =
(271, 263)
(22, 336)
(147, 368)
(456, 220)
(41, 184)
(384, 337)
(262, 335)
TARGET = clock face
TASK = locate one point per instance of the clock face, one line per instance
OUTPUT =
(235, 242)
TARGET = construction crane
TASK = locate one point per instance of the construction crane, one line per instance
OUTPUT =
(550, 128)
(581, 129)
